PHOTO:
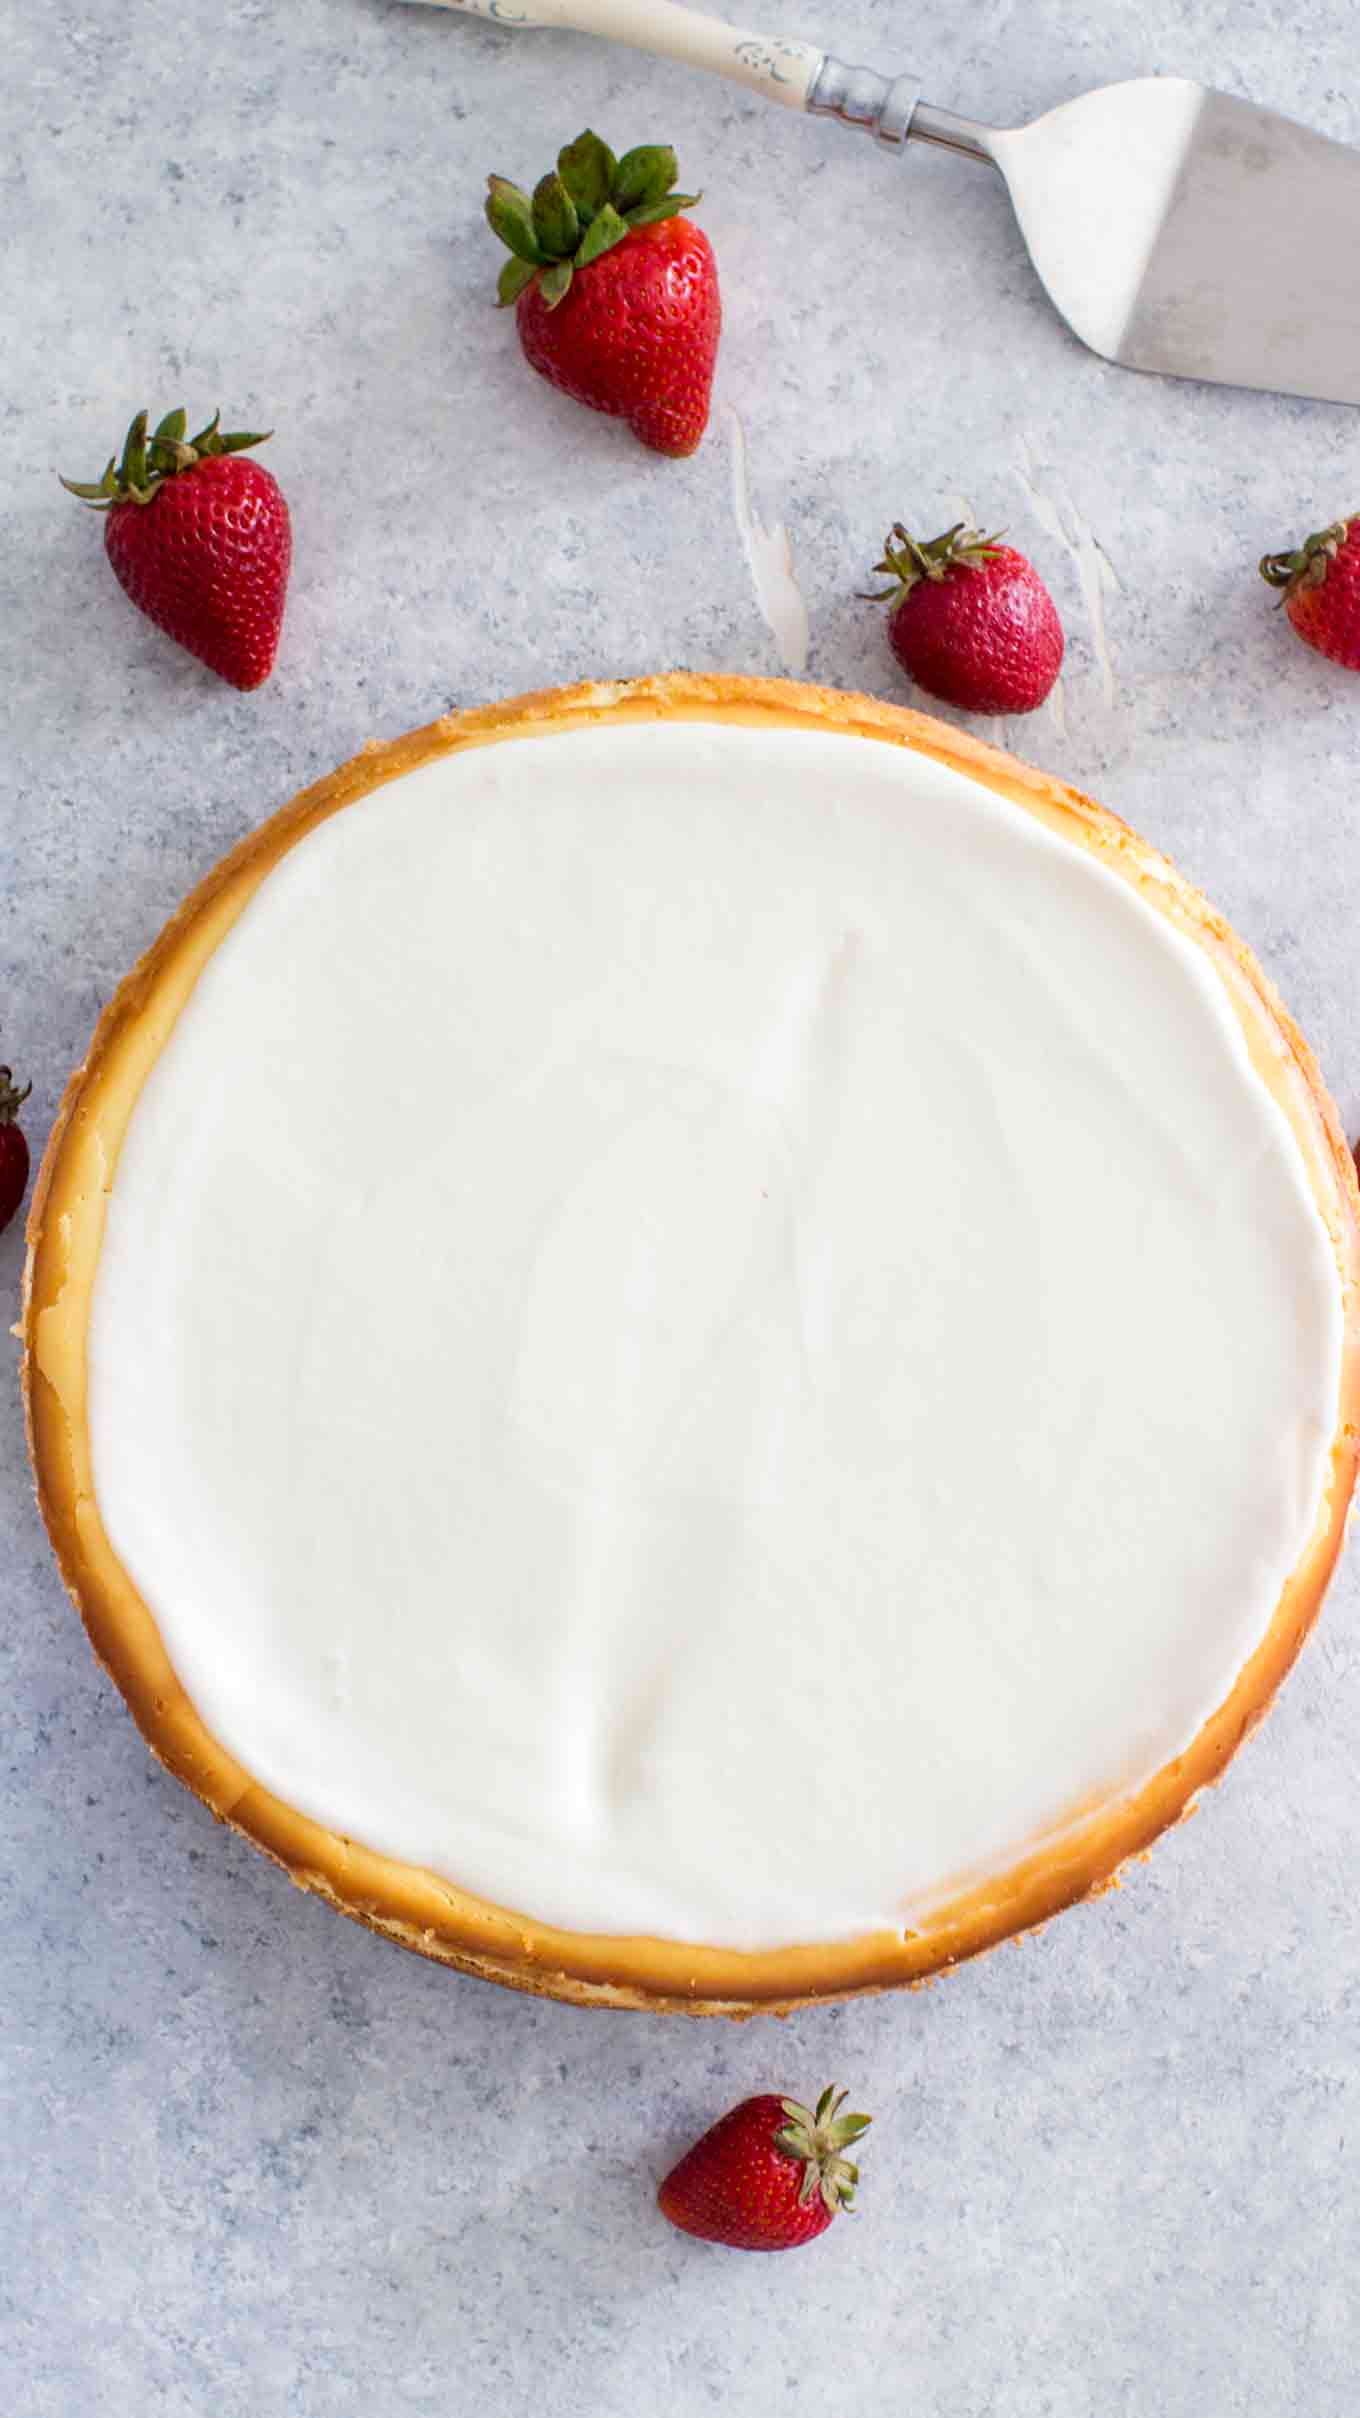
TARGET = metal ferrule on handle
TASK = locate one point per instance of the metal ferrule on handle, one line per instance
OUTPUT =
(883, 106)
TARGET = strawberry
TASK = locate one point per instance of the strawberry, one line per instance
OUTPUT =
(13, 1147)
(1319, 587)
(971, 620)
(615, 294)
(201, 542)
(768, 2176)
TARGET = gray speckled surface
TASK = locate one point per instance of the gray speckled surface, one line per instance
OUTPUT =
(257, 2160)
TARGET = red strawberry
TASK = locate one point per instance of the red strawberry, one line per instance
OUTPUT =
(201, 541)
(971, 620)
(769, 2176)
(13, 1147)
(1320, 590)
(615, 294)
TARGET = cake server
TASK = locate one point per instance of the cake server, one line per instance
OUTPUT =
(1176, 229)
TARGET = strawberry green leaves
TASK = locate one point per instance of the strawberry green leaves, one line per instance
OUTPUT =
(907, 560)
(556, 224)
(513, 279)
(578, 212)
(644, 175)
(650, 214)
(148, 461)
(818, 2139)
(604, 231)
(588, 169)
(643, 186)
(510, 214)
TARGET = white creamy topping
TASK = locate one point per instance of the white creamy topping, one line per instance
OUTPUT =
(707, 1331)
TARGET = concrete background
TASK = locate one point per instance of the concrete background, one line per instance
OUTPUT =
(256, 2160)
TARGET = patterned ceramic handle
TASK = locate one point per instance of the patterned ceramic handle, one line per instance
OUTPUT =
(766, 63)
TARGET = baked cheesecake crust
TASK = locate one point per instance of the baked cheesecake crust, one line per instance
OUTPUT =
(418, 1909)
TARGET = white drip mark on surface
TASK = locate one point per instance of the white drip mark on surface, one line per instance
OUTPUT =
(338, 1661)
(1059, 518)
(769, 558)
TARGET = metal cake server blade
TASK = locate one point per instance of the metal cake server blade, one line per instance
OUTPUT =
(1180, 230)
(1176, 228)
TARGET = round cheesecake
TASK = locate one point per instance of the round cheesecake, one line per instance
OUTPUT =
(695, 1343)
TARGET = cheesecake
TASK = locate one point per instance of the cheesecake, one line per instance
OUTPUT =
(695, 1343)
